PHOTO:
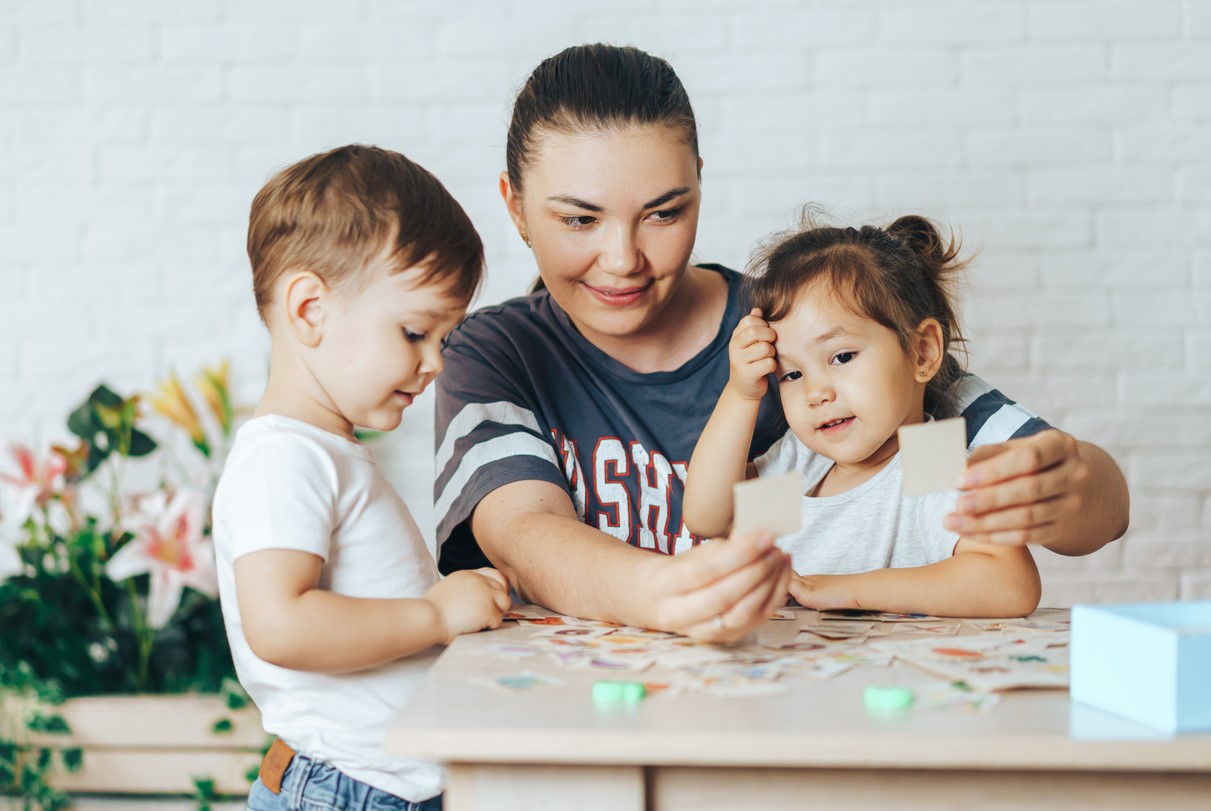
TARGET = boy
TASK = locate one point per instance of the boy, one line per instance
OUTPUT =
(362, 262)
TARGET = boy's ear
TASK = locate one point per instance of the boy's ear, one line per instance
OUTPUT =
(928, 350)
(304, 298)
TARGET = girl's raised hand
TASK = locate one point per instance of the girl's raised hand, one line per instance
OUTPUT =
(751, 353)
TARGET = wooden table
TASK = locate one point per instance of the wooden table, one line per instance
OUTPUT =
(814, 746)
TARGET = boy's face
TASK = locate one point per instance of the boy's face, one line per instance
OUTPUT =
(381, 346)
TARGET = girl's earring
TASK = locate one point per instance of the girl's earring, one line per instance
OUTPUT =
(525, 237)
(923, 374)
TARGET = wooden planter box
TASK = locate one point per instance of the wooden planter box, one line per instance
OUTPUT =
(156, 744)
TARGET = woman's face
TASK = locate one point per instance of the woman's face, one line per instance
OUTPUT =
(611, 217)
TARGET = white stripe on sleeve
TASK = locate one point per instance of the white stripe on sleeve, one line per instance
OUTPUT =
(1001, 425)
(469, 418)
(502, 447)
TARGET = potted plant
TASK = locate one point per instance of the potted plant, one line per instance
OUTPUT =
(115, 673)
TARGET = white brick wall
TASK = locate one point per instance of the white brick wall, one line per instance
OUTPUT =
(1069, 141)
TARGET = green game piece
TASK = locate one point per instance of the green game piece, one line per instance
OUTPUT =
(888, 698)
(619, 691)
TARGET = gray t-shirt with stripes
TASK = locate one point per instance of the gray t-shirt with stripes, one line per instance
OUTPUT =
(525, 397)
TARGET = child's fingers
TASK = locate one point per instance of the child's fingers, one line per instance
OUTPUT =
(750, 332)
(495, 576)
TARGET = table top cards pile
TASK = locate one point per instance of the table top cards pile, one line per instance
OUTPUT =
(989, 656)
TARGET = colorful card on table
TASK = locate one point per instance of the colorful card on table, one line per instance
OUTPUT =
(933, 455)
(773, 504)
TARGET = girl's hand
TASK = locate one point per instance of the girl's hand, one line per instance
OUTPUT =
(822, 591)
(1021, 491)
(721, 591)
(751, 353)
(470, 601)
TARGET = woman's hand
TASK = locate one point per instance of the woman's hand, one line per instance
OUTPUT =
(721, 591)
(1024, 491)
(751, 356)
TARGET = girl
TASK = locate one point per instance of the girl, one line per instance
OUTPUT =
(856, 326)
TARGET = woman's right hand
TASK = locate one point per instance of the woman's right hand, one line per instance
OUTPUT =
(722, 590)
(751, 356)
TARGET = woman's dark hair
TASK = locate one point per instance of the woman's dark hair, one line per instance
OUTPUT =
(898, 275)
(596, 87)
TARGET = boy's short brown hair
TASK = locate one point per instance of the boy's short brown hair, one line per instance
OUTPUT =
(334, 212)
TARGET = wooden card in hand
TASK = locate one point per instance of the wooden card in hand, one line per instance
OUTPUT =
(772, 504)
(933, 455)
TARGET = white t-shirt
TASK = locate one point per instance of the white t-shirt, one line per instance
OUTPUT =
(871, 526)
(290, 485)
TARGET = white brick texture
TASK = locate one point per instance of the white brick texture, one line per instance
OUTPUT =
(1066, 140)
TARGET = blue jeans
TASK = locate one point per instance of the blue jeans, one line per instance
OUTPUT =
(312, 785)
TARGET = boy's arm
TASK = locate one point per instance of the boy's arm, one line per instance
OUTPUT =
(978, 580)
(291, 622)
(721, 454)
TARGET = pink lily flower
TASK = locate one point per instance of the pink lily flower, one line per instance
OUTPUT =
(170, 545)
(31, 486)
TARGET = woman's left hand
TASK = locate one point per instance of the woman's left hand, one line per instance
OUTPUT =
(1023, 491)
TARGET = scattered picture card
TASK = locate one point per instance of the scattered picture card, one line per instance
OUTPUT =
(773, 504)
(933, 455)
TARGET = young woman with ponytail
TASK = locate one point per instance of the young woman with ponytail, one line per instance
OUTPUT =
(566, 418)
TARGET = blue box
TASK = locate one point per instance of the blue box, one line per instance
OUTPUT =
(1149, 662)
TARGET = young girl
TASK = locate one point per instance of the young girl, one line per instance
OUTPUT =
(856, 327)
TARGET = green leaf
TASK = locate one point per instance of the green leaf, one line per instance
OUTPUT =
(140, 443)
(49, 724)
(234, 695)
(223, 726)
(81, 423)
(73, 758)
(103, 396)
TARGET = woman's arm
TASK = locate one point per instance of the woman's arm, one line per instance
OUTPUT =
(978, 580)
(291, 622)
(1047, 489)
(530, 531)
(720, 456)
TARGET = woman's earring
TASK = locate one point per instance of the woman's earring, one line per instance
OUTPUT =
(525, 237)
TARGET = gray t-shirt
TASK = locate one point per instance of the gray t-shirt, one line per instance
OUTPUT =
(873, 526)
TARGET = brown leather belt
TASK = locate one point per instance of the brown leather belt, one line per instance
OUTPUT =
(273, 767)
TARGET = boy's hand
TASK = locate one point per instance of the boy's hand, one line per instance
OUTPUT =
(822, 591)
(751, 353)
(470, 601)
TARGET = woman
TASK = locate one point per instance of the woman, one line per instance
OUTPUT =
(566, 418)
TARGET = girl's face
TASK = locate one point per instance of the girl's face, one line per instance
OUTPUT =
(611, 217)
(845, 381)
